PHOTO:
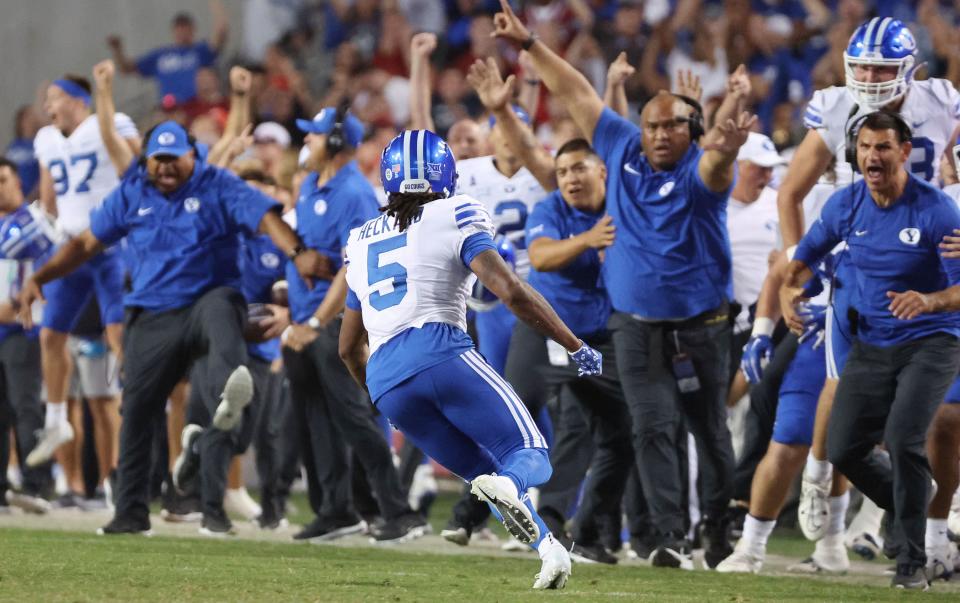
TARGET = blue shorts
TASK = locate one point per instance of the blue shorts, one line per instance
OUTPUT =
(494, 329)
(953, 394)
(839, 338)
(67, 297)
(463, 415)
(799, 392)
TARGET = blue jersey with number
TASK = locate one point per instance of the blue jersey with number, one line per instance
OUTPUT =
(412, 286)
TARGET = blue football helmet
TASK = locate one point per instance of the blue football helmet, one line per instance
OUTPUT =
(482, 299)
(418, 161)
(26, 234)
(881, 41)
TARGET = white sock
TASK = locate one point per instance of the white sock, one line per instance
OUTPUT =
(830, 541)
(56, 414)
(757, 531)
(816, 471)
(838, 513)
(936, 533)
(546, 544)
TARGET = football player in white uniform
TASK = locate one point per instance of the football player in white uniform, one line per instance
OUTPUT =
(880, 63)
(408, 273)
(76, 173)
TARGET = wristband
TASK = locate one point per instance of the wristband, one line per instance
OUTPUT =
(526, 44)
(297, 250)
(790, 251)
(762, 326)
(530, 82)
(285, 334)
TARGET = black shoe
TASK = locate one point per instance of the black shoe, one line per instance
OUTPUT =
(591, 553)
(642, 548)
(70, 500)
(324, 529)
(910, 577)
(674, 551)
(188, 463)
(716, 542)
(178, 508)
(400, 529)
(126, 525)
(217, 526)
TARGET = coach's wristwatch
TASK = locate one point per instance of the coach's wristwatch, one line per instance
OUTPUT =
(297, 250)
(314, 323)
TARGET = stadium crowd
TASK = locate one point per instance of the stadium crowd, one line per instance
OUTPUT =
(748, 208)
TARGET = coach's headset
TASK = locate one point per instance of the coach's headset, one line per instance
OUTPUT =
(694, 120)
(336, 138)
(142, 159)
(850, 153)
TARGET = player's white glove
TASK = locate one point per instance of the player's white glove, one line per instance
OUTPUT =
(589, 361)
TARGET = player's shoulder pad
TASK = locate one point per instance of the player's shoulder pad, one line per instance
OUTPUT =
(823, 104)
(46, 135)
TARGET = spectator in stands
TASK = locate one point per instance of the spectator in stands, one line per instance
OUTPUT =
(175, 66)
(20, 151)
(270, 142)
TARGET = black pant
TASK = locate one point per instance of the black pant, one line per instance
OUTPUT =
(266, 436)
(21, 410)
(890, 395)
(334, 413)
(570, 457)
(158, 349)
(645, 353)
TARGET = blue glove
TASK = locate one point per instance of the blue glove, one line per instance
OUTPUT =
(814, 323)
(589, 361)
(756, 356)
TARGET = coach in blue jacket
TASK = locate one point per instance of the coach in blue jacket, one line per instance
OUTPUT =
(181, 218)
(903, 358)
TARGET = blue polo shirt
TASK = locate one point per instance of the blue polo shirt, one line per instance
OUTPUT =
(671, 258)
(575, 291)
(261, 265)
(890, 249)
(179, 246)
(325, 216)
(175, 68)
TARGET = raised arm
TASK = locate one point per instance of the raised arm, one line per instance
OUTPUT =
(563, 81)
(725, 139)
(422, 46)
(495, 94)
(615, 94)
(118, 148)
(221, 25)
(125, 63)
(738, 93)
(238, 119)
(808, 164)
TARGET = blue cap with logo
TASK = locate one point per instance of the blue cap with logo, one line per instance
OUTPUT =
(324, 121)
(168, 138)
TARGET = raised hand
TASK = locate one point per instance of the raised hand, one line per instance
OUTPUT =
(240, 80)
(103, 73)
(729, 137)
(423, 44)
(507, 25)
(688, 84)
(739, 82)
(619, 70)
(494, 92)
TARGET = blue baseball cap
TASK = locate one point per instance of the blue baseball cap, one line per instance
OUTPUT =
(168, 138)
(323, 122)
(518, 111)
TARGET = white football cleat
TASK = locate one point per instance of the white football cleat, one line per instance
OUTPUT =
(813, 512)
(236, 395)
(745, 559)
(869, 546)
(239, 502)
(501, 492)
(50, 439)
(941, 561)
(827, 558)
(28, 503)
(556, 567)
(953, 520)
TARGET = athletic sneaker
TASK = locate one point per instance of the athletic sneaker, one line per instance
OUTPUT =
(501, 492)
(813, 512)
(180, 508)
(953, 520)
(69, 500)
(674, 552)
(716, 542)
(941, 561)
(555, 569)
(400, 529)
(236, 395)
(28, 502)
(826, 559)
(49, 440)
(324, 529)
(217, 526)
(868, 546)
(456, 534)
(187, 465)
(423, 489)
(593, 553)
(239, 502)
(910, 577)
(124, 525)
(744, 560)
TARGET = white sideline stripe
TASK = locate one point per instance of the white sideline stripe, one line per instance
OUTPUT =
(536, 436)
(471, 362)
(828, 340)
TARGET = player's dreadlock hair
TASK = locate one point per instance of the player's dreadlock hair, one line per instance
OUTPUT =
(405, 206)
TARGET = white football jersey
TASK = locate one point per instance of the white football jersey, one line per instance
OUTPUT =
(411, 278)
(508, 200)
(80, 167)
(931, 108)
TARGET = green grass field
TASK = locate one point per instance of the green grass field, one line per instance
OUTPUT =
(63, 564)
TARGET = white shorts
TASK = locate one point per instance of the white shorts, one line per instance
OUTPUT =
(94, 375)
